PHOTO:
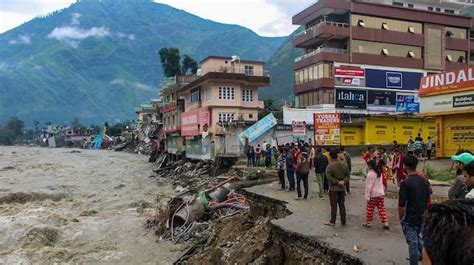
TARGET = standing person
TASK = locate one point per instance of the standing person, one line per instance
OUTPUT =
(411, 147)
(381, 165)
(250, 156)
(338, 175)
(368, 154)
(290, 173)
(302, 171)
(258, 152)
(459, 188)
(397, 166)
(448, 233)
(429, 148)
(395, 146)
(348, 160)
(375, 195)
(320, 164)
(281, 165)
(268, 157)
(418, 146)
(469, 175)
(413, 200)
(312, 153)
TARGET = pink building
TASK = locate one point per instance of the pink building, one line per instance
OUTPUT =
(222, 101)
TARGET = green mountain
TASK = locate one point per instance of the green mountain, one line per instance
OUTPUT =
(280, 67)
(96, 60)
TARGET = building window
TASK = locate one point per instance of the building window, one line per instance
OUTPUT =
(430, 8)
(226, 93)
(438, 9)
(449, 58)
(410, 5)
(449, 11)
(385, 26)
(411, 29)
(411, 54)
(449, 34)
(249, 69)
(384, 51)
(226, 117)
(247, 95)
(461, 59)
(360, 23)
(397, 3)
(195, 94)
(250, 116)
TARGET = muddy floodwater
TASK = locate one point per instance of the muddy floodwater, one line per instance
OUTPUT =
(78, 206)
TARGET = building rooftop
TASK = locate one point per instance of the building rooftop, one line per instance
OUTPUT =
(230, 58)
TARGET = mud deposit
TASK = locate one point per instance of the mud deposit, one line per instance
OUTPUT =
(86, 208)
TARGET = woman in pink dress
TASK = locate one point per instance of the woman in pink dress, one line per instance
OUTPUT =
(397, 166)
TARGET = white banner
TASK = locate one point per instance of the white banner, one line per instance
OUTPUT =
(443, 103)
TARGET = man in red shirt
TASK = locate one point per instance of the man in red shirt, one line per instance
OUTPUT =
(368, 154)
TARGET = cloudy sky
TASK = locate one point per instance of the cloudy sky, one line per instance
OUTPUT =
(266, 17)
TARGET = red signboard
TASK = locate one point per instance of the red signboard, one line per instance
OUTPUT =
(327, 128)
(447, 82)
(168, 108)
(194, 122)
(349, 71)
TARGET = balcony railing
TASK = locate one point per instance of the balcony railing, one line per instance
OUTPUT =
(237, 70)
(320, 50)
(322, 23)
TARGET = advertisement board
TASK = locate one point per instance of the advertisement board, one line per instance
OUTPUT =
(446, 103)
(194, 122)
(299, 130)
(390, 79)
(463, 101)
(408, 103)
(290, 115)
(258, 129)
(381, 101)
(349, 71)
(327, 129)
(447, 82)
(351, 99)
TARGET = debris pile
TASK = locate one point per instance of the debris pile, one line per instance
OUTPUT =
(202, 200)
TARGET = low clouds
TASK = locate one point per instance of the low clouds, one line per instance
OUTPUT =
(75, 33)
(136, 85)
(21, 39)
(128, 36)
(75, 19)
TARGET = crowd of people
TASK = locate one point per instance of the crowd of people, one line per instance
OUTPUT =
(426, 227)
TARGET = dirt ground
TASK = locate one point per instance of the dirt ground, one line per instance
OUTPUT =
(58, 206)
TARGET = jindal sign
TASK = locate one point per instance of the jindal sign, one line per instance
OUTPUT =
(448, 82)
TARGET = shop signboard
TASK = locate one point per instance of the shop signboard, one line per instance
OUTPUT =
(381, 101)
(447, 82)
(299, 130)
(351, 99)
(195, 122)
(327, 129)
(408, 103)
(446, 103)
(349, 71)
(258, 129)
(463, 101)
(391, 79)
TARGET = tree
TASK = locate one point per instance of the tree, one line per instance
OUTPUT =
(76, 123)
(170, 61)
(188, 63)
(16, 126)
